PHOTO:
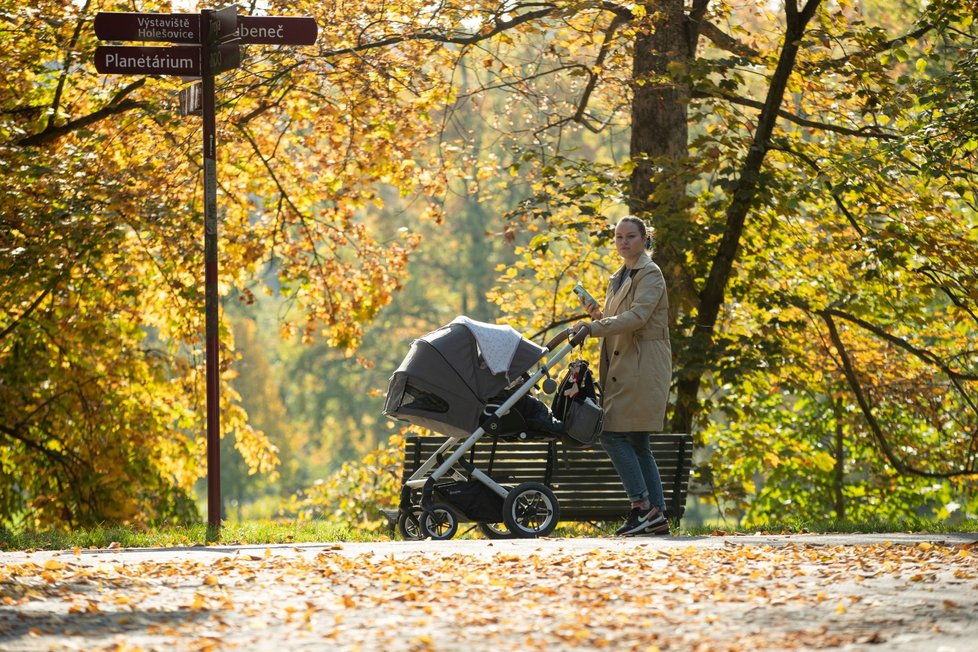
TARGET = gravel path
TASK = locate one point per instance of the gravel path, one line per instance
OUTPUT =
(902, 592)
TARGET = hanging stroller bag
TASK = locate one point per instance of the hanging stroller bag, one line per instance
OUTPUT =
(576, 404)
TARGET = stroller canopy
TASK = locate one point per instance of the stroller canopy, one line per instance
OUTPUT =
(451, 373)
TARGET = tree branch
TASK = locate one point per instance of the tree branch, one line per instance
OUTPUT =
(798, 120)
(31, 308)
(921, 354)
(694, 23)
(14, 434)
(70, 51)
(867, 411)
(439, 36)
(119, 104)
(887, 45)
(958, 302)
(723, 40)
(926, 270)
(592, 81)
(835, 197)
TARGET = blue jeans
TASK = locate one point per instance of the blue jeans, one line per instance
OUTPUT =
(632, 458)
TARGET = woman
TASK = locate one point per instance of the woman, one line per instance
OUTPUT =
(635, 372)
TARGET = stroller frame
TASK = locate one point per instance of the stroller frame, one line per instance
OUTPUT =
(529, 510)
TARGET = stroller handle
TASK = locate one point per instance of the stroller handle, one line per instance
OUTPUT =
(575, 340)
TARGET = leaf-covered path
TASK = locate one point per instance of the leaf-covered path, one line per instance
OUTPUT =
(862, 592)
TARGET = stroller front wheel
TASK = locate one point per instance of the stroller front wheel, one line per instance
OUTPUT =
(531, 510)
(439, 524)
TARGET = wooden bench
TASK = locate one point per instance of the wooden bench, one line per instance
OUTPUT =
(586, 484)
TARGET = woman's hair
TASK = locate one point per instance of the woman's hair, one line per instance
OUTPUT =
(643, 229)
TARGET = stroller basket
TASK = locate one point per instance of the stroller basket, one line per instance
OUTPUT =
(474, 499)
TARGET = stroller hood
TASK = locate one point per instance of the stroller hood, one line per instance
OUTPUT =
(451, 373)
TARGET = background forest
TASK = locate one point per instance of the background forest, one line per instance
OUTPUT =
(809, 169)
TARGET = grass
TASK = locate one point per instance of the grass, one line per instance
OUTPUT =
(266, 532)
(247, 532)
(911, 524)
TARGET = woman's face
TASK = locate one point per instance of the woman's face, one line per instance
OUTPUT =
(629, 241)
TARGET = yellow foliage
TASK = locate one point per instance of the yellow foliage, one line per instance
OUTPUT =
(354, 495)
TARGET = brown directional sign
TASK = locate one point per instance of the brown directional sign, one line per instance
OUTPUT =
(277, 30)
(224, 57)
(186, 28)
(181, 60)
(224, 24)
(166, 28)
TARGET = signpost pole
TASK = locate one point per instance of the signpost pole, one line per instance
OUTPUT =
(214, 40)
(211, 316)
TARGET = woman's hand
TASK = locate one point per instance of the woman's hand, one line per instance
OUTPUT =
(581, 326)
(593, 310)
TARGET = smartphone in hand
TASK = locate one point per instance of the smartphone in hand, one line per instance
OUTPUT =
(584, 296)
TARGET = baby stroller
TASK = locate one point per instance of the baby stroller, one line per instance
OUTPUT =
(465, 380)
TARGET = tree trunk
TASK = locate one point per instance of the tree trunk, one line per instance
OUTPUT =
(698, 355)
(660, 130)
(839, 474)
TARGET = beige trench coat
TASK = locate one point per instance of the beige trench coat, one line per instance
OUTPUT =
(636, 358)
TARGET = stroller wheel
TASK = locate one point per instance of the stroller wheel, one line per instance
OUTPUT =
(496, 531)
(531, 510)
(438, 524)
(408, 526)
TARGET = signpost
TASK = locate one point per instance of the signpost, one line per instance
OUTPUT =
(216, 26)
(210, 44)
